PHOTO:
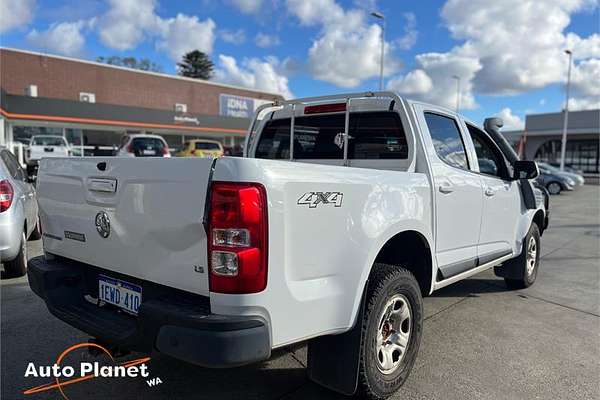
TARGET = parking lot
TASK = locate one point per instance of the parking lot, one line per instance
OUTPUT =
(481, 341)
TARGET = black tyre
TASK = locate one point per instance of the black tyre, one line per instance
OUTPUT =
(392, 327)
(18, 266)
(554, 187)
(527, 263)
(36, 234)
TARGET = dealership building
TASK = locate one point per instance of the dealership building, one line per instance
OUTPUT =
(541, 139)
(94, 104)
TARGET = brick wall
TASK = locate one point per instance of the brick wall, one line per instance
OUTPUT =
(64, 79)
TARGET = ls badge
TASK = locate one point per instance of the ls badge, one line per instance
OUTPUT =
(313, 199)
(103, 224)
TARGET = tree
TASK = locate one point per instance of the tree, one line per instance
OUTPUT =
(143, 64)
(195, 64)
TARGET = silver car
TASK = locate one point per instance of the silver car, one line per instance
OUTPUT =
(18, 214)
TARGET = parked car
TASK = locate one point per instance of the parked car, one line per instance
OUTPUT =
(555, 183)
(45, 146)
(576, 178)
(18, 214)
(143, 145)
(568, 168)
(330, 231)
(201, 148)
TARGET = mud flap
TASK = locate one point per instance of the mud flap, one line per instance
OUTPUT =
(333, 360)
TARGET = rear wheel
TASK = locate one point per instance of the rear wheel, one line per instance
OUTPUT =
(554, 188)
(18, 266)
(392, 327)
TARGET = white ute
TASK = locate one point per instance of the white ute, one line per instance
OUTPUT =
(45, 146)
(332, 240)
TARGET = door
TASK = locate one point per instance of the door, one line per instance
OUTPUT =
(501, 200)
(458, 192)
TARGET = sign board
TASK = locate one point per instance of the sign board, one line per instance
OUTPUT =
(238, 106)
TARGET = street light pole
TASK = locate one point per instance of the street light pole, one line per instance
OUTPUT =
(563, 148)
(381, 17)
(457, 92)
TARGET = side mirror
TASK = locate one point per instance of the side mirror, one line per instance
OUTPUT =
(525, 169)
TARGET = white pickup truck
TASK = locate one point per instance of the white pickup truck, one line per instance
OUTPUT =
(332, 240)
(45, 146)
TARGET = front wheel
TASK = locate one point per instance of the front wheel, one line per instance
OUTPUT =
(392, 328)
(527, 263)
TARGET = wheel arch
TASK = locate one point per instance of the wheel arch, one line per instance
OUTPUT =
(409, 249)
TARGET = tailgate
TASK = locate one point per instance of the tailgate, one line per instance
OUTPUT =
(139, 217)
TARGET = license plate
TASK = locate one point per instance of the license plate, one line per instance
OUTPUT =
(149, 152)
(120, 293)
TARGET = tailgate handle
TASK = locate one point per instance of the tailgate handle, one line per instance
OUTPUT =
(106, 185)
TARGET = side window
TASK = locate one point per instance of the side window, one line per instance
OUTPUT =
(274, 140)
(490, 162)
(376, 135)
(447, 141)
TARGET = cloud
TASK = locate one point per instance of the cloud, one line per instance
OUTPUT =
(15, 14)
(63, 38)
(519, 43)
(508, 47)
(263, 40)
(511, 122)
(585, 84)
(432, 80)
(348, 48)
(233, 37)
(253, 73)
(408, 40)
(248, 6)
(127, 23)
(186, 33)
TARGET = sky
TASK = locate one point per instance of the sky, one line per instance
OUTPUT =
(508, 54)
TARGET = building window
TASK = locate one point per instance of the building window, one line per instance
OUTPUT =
(582, 154)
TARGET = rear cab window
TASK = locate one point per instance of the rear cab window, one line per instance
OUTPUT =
(48, 141)
(372, 135)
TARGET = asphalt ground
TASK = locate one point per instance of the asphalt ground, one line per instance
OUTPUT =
(481, 341)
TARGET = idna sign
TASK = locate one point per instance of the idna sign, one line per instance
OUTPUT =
(236, 106)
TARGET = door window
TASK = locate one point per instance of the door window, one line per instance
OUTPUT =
(488, 157)
(447, 141)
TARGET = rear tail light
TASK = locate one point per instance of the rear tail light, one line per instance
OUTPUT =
(237, 238)
(130, 148)
(165, 150)
(6, 195)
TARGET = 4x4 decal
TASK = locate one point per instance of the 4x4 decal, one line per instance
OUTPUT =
(313, 199)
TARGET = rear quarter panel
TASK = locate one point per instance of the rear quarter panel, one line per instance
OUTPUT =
(320, 257)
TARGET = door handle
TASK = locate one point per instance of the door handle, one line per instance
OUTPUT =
(490, 192)
(446, 188)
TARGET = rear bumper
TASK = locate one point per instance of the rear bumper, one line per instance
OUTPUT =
(169, 321)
